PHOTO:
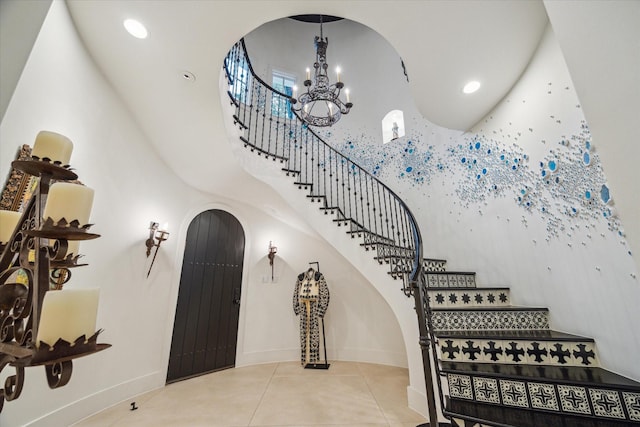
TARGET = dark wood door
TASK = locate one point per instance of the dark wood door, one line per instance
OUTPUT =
(206, 323)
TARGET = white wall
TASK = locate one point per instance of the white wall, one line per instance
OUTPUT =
(61, 90)
(599, 40)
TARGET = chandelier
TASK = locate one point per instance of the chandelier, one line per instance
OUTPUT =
(321, 105)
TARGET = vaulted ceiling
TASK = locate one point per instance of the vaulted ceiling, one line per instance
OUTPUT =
(442, 43)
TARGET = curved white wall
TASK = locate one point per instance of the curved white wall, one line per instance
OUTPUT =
(62, 90)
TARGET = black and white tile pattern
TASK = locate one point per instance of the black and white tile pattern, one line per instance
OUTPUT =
(434, 264)
(514, 393)
(463, 298)
(486, 390)
(479, 320)
(518, 351)
(543, 396)
(600, 403)
(451, 280)
(460, 386)
(632, 403)
(574, 399)
(606, 403)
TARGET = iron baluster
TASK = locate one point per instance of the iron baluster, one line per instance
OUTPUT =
(387, 221)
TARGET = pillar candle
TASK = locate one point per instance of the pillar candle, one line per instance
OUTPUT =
(8, 222)
(53, 146)
(73, 247)
(68, 201)
(68, 314)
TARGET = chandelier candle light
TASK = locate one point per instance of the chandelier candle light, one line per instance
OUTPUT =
(321, 105)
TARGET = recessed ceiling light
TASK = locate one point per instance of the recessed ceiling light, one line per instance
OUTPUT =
(135, 28)
(471, 87)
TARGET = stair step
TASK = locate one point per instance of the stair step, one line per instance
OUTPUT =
(503, 416)
(545, 347)
(317, 198)
(450, 279)
(304, 185)
(236, 120)
(581, 391)
(433, 264)
(262, 151)
(290, 172)
(456, 297)
(387, 249)
(489, 318)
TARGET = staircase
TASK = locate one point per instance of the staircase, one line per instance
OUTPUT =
(495, 364)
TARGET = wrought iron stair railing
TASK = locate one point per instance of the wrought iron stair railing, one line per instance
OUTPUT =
(368, 208)
(503, 365)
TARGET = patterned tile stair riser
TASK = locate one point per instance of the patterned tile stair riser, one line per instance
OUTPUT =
(524, 374)
(579, 392)
(489, 319)
(513, 349)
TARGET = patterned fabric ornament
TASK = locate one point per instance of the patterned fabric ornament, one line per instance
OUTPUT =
(310, 302)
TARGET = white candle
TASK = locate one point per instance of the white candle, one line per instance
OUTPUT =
(308, 74)
(68, 314)
(73, 248)
(295, 91)
(338, 74)
(54, 146)
(68, 201)
(347, 92)
(8, 222)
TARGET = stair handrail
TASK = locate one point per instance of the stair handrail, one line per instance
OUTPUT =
(414, 282)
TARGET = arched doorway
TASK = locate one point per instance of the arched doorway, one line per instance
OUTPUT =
(206, 323)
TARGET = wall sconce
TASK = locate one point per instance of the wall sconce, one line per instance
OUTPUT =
(155, 234)
(271, 255)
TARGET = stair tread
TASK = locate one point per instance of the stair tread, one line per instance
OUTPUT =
(496, 308)
(469, 288)
(578, 375)
(451, 272)
(537, 334)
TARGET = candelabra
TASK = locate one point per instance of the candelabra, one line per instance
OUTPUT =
(41, 324)
(321, 105)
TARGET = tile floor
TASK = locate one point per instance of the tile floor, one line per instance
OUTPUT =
(279, 394)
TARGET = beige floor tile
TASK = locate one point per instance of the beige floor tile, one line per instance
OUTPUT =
(348, 394)
(373, 370)
(317, 400)
(335, 368)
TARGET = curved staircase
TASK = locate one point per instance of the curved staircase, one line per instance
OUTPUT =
(495, 364)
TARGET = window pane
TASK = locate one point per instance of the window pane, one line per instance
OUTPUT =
(281, 106)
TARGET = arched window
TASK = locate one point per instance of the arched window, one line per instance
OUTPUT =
(392, 126)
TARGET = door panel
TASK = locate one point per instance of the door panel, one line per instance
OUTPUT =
(206, 323)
